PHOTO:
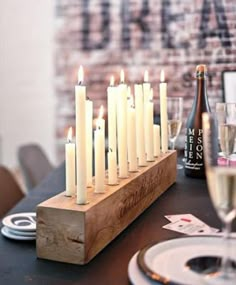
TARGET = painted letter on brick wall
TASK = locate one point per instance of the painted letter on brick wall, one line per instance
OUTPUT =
(221, 30)
(172, 36)
(104, 24)
(128, 19)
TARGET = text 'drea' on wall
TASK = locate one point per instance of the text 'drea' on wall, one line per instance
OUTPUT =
(105, 36)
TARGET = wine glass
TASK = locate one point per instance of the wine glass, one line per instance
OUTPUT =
(221, 180)
(226, 118)
(175, 115)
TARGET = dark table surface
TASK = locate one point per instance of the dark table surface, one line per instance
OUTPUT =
(19, 264)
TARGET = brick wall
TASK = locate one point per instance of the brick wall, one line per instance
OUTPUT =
(105, 36)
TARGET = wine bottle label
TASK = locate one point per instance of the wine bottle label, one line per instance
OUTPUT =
(194, 149)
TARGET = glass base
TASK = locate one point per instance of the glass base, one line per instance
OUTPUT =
(210, 269)
(221, 278)
(179, 166)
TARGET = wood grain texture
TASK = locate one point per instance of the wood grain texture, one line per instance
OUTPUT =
(74, 233)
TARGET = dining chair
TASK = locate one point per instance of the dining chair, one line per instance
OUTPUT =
(34, 164)
(10, 191)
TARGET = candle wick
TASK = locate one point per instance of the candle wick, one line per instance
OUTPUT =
(80, 82)
(110, 149)
(87, 98)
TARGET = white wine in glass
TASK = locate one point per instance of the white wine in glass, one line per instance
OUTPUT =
(221, 182)
(174, 127)
(227, 135)
(222, 185)
(226, 121)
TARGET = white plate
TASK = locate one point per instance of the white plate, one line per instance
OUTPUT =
(21, 221)
(21, 233)
(136, 276)
(168, 259)
(10, 235)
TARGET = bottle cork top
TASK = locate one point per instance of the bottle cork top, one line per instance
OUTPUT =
(201, 68)
(201, 71)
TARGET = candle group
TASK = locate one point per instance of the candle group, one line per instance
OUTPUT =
(131, 134)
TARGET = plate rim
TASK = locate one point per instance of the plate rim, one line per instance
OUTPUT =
(16, 237)
(148, 271)
(154, 276)
(19, 232)
(135, 275)
(12, 226)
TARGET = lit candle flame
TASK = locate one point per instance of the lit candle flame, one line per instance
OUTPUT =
(69, 135)
(80, 74)
(122, 76)
(112, 81)
(162, 76)
(146, 77)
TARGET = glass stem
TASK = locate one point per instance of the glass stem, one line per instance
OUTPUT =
(172, 144)
(225, 262)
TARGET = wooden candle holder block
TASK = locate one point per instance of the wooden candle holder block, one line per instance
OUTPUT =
(73, 233)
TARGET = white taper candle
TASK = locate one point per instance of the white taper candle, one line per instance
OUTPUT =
(163, 111)
(156, 138)
(89, 139)
(132, 150)
(150, 147)
(70, 164)
(112, 116)
(99, 142)
(81, 160)
(138, 90)
(146, 98)
(122, 127)
(112, 167)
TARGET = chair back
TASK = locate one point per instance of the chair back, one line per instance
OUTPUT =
(10, 191)
(34, 164)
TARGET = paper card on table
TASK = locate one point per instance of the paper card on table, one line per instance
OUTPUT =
(183, 217)
(189, 228)
(191, 219)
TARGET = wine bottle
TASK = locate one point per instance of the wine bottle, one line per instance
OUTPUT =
(193, 152)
